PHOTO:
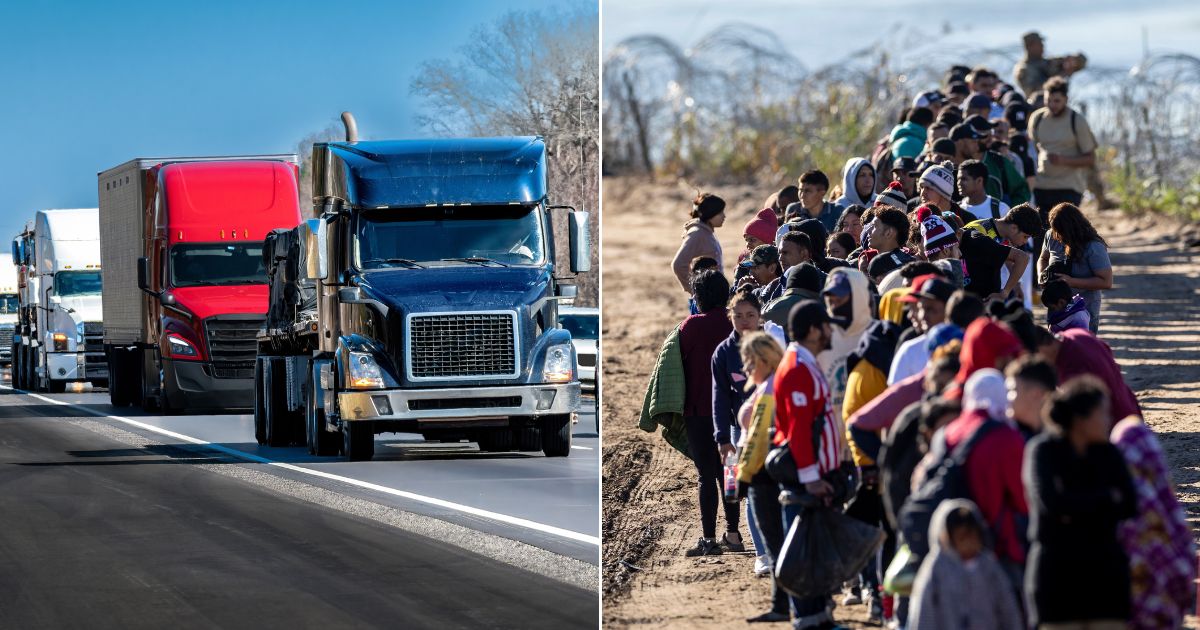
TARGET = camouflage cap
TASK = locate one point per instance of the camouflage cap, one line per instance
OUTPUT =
(762, 255)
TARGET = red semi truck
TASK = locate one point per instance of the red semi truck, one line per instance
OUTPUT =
(185, 287)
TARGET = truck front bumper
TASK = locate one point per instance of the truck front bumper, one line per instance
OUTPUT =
(191, 385)
(459, 406)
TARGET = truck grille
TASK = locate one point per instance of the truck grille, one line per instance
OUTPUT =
(462, 345)
(428, 404)
(93, 349)
(6, 338)
(233, 345)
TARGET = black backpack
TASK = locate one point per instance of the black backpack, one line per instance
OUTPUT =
(948, 480)
(882, 161)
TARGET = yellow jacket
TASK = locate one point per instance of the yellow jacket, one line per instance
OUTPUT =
(864, 383)
(758, 436)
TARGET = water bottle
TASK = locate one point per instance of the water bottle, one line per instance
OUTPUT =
(731, 480)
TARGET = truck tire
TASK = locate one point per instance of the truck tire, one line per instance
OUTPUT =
(260, 428)
(528, 439)
(556, 435)
(495, 440)
(18, 367)
(358, 440)
(275, 416)
(56, 387)
(320, 442)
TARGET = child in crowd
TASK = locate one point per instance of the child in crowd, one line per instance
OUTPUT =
(1065, 309)
(958, 585)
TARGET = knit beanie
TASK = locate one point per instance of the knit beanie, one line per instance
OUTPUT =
(939, 178)
(806, 277)
(935, 233)
(892, 196)
(762, 227)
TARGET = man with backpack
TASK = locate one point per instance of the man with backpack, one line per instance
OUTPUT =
(1066, 150)
(977, 456)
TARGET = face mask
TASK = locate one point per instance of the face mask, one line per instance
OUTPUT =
(844, 314)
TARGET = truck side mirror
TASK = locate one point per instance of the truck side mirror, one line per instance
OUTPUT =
(581, 246)
(316, 235)
(143, 274)
(16, 253)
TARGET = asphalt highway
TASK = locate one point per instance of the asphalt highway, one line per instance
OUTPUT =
(111, 518)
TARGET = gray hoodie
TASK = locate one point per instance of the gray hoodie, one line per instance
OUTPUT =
(950, 594)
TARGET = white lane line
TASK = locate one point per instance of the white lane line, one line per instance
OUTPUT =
(457, 507)
(582, 448)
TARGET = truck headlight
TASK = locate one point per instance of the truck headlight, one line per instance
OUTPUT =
(364, 372)
(180, 347)
(60, 342)
(559, 366)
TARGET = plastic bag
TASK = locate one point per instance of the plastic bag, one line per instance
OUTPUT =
(823, 549)
(902, 572)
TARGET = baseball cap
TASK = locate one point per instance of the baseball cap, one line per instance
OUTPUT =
(1017, 115)
(837, 284)
(977, 101)
(904, 165)
(963, 131)
(945, 146)
(979, 123)
(959, 88)
(925, 99)
(933, 288)
(762, 255)
(883, 264)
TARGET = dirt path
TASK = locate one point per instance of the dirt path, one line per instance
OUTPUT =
(1151, 318)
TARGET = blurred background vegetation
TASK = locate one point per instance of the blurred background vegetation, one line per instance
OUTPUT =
(735, 106)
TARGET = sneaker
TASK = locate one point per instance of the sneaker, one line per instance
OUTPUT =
(770, 617)
(704, 547)
(762, 568)
(850, 594)
(735, 545)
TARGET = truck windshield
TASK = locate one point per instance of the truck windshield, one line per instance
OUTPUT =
(510, 235)
(8, 302)
(216, 264)
(76, 283)
(580, 326)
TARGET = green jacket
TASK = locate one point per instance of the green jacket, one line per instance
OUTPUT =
(664, 396)
(1004, 182)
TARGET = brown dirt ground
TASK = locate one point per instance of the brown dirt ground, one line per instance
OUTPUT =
(1151, 319)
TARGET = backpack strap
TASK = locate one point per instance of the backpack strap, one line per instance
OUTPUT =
(995, 208)
(960, 453)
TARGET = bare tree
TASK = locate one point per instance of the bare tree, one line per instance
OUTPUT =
(529, 73)
(331, 132)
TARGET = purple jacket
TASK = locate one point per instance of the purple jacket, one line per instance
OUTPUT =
(881, 412)
(1074, 316)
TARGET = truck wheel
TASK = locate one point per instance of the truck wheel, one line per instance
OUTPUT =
(358, 440)
(260, 428)
(495, 440)
(528, 439)
(556, 435)
(116, 383)
(320, 441)
(18, 367)
(275, 416)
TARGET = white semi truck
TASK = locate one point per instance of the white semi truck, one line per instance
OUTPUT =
(59, 333)
(8, 311)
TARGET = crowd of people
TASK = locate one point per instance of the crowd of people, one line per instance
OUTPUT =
(917, 348)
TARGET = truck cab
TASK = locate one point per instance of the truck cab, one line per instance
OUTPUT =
(60, 315)
(186, 253)
(435, 300)
(9, 304)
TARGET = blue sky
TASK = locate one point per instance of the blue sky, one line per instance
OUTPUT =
(88, 85)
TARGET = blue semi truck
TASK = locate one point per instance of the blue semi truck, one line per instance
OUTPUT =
(423, 298)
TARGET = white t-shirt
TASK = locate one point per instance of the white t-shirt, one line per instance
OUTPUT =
(910, 358)
(984, 209)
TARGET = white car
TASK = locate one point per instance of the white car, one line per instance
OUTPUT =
(584, 326)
